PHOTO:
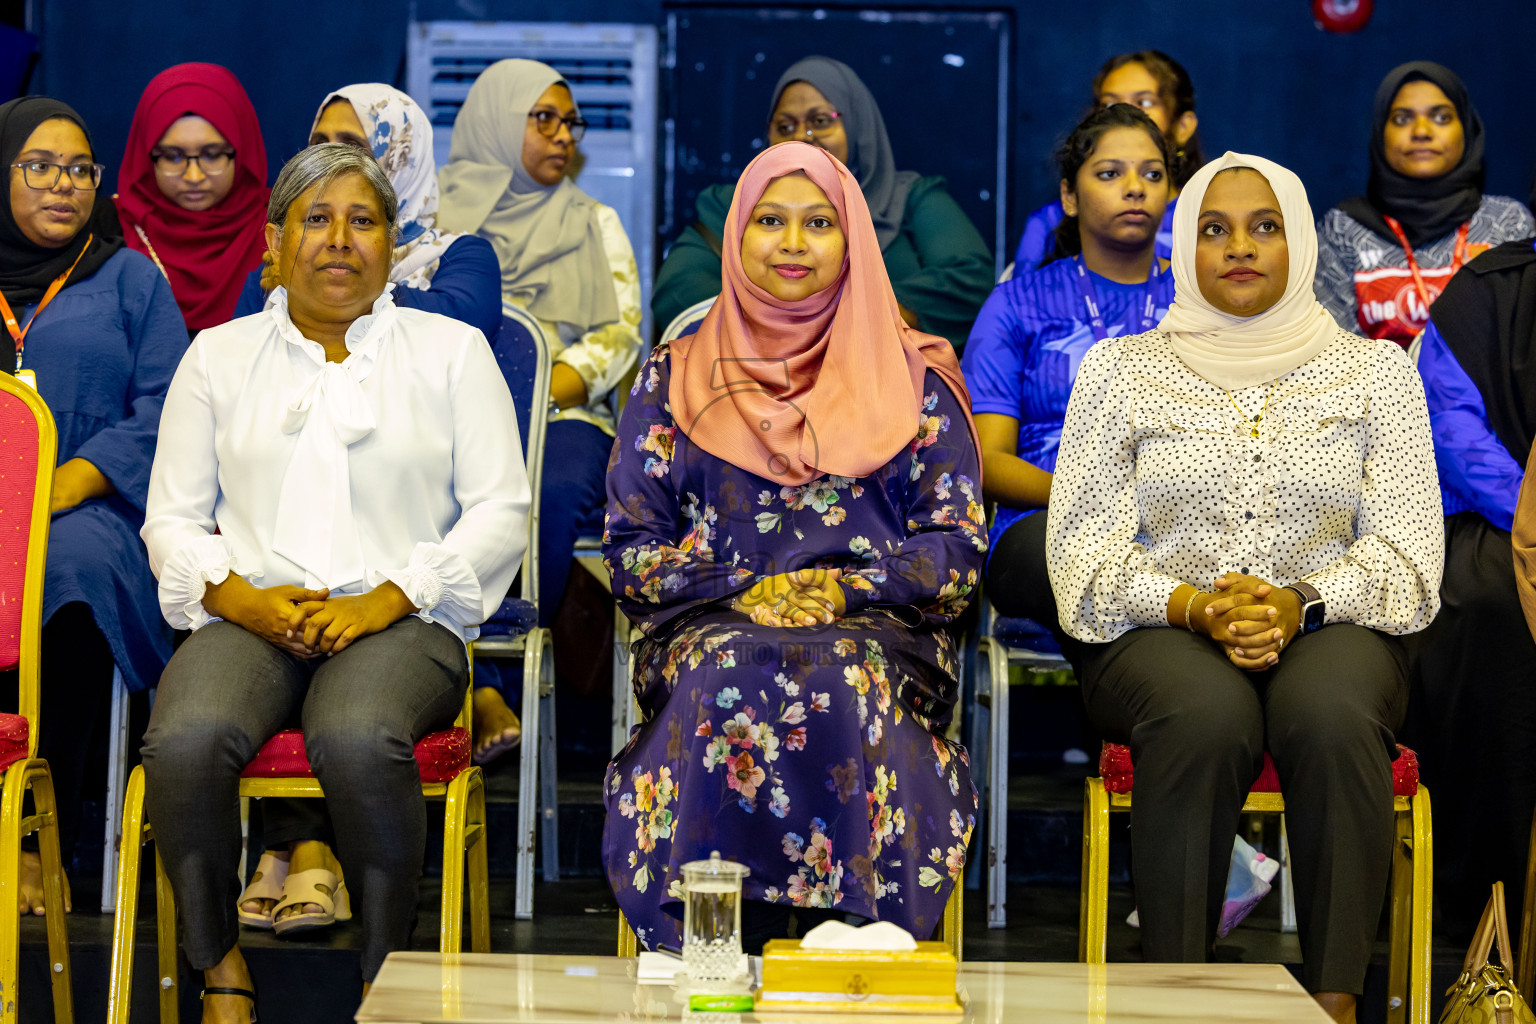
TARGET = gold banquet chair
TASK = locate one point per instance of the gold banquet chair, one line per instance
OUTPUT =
(28, 453)
(1412, 869)
(951, 926)
(281, 769)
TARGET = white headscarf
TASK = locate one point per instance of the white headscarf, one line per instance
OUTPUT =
(400, 135)
(1235, 351)
(547, 238)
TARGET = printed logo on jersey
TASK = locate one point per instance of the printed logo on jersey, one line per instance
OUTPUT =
(1389, 303)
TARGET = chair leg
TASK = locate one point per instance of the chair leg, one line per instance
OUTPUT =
(53, 893)
(1400, 917)
(997, 789)
(622, 719)
(977, 725)
(528, 774)
(549, 801)
(478, 867)
(450, 935)
(117, 778)
(15, 789)
(628, 944)
(1525, 953)
(1287, 886)
(165, 943)
(953, 925)
(1093, 914)
(1423, 908)
(126, 914)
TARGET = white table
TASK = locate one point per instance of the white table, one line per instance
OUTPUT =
(493, 988)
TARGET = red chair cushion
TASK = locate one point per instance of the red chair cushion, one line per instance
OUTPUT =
(440, 755)
(18, 486)
(1115, 770)
(13, 739)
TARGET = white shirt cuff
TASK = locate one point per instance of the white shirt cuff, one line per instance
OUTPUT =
(185, 577)
(1146, 599)
(436, 578)
(1341, 594)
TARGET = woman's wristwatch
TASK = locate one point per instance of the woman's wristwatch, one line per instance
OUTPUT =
(1313, 611)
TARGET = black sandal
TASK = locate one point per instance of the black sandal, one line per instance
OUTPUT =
(249, 993)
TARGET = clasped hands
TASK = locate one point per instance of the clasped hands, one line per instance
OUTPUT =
(304, 622)
(1249, 617)
(805, 597)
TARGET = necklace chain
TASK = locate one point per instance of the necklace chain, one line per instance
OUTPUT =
(1254, 429)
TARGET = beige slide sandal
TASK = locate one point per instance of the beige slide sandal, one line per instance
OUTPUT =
(317, 886)
(266, 884)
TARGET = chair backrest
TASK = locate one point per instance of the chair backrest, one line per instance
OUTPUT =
(687, 322)
(522, 352)
(28, 454)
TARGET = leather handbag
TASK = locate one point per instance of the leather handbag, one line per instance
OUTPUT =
(1485, 993)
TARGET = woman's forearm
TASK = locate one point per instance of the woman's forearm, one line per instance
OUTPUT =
(1011, 481)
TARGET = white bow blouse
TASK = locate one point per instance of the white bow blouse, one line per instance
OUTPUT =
(401, 463)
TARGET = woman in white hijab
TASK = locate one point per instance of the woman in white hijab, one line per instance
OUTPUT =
(432, 269)
(1252, 447)
(565, 259)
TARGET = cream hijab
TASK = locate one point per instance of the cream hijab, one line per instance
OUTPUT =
(1236, 352)
(547, 238)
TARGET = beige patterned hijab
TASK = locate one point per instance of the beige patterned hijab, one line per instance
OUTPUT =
(553, 262)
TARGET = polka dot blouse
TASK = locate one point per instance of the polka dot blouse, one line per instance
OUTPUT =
(1328, 476)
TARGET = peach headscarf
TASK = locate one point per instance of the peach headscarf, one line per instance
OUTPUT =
(830, 384)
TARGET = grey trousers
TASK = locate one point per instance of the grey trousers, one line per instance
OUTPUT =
(1198, 728)
(226, 692)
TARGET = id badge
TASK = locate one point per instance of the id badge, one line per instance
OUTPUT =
(27, 377)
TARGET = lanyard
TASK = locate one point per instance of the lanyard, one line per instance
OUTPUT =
(1090, 300)
(1457, 259)
(19, 334)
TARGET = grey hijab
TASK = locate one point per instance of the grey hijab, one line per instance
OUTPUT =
(869, 147)
(553, 262)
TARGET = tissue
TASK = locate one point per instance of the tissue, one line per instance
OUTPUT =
(881, 935)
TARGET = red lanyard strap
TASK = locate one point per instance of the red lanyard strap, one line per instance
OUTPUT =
(1457, 259)
(18, 333)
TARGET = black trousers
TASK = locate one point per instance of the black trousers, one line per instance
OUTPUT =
(1473, 723)
(225, 692)
(1198, 728)
(1018, 584)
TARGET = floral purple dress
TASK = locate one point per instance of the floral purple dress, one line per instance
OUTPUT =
(815, 756)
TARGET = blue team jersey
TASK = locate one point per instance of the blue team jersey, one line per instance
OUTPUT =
(1026, 346)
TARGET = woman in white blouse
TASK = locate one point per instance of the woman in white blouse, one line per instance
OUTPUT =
(361, 466)
(1245, 517)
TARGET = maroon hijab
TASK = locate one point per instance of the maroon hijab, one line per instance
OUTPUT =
(206, 254)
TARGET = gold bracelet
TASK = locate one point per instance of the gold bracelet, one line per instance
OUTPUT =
(1188, 606)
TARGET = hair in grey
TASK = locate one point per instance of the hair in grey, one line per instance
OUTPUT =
(321, 165)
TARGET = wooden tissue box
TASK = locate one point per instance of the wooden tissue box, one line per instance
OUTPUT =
(921, 981)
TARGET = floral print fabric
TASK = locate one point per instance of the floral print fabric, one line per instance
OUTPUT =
(815, 756)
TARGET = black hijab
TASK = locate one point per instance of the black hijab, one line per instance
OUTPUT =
(1428, 208)
(1487, 316)
(26, 268)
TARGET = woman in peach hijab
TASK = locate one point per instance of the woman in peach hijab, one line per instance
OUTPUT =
(794, 520)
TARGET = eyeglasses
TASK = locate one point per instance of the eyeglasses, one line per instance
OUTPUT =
(817, 123)
(548, 123)
(174, 162)
(41, 175)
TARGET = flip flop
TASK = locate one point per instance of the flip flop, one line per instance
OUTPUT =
(496, 749)
(266, 884)
(317, 886)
